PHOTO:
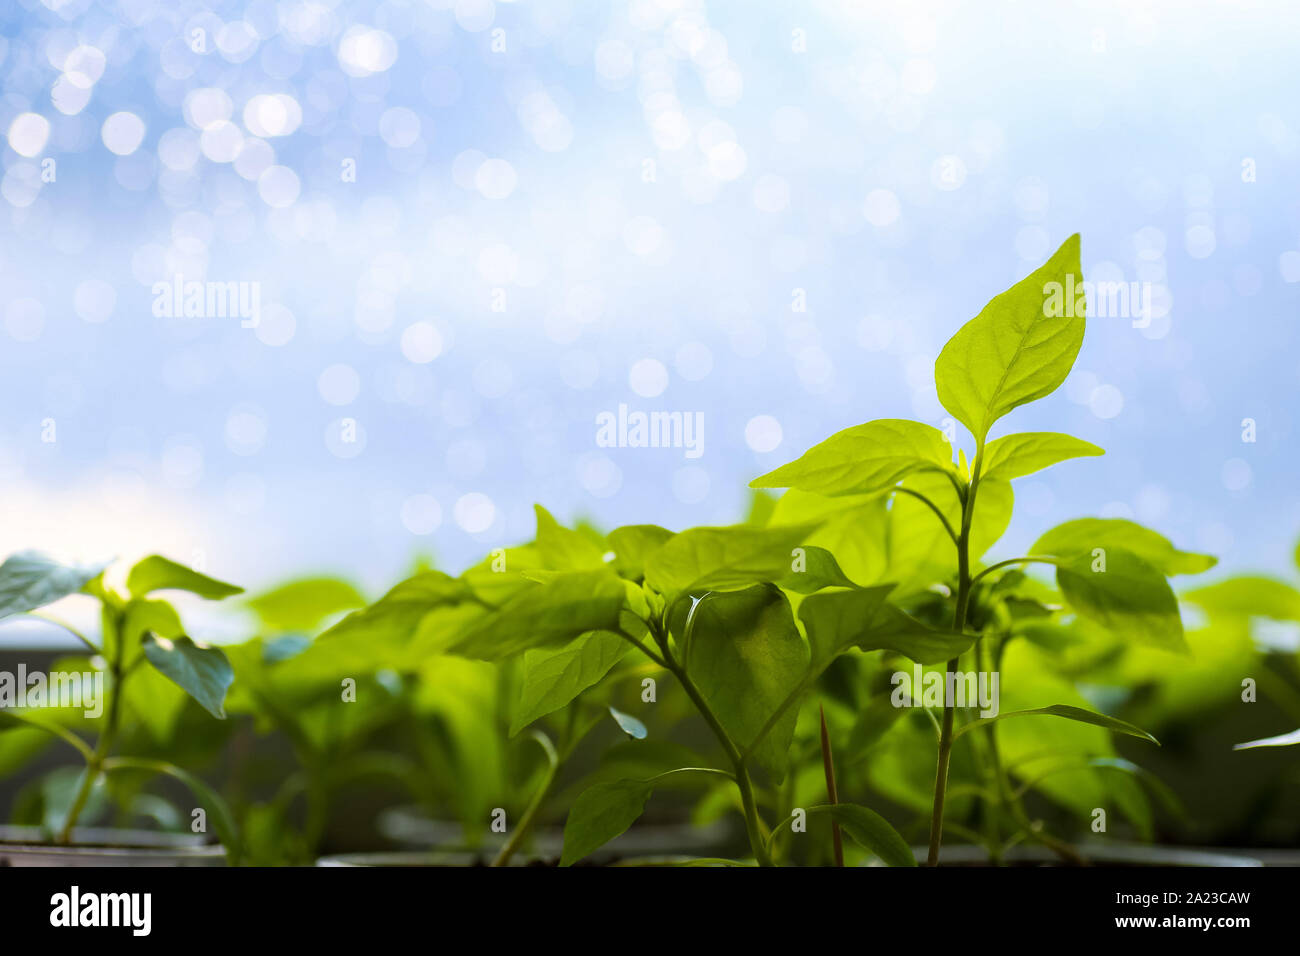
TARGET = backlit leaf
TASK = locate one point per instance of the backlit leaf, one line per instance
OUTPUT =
(851, 527)
(817, 570)
(746, 656)
(863, 619)
(920, 550)
(396, 616)
(553, 676)
(1083, 535)
(156, 573)
(1129, 597)
(599, 814)
(1019, 348)
(1248, 596)
(632, 544)
(568, 604)
(863, 459)
(561, 549)
(723, 559)
(303, 604)
(1069, 713)
(1014, 456)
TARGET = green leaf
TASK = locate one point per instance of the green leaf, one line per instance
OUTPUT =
(156, 701)
(629, 724)
(561, 549)
(31, 580)
(863, 459)
(201, 671)
(1285, 740)
(920, 550)
(498, 577)
(1130, 597)
(301, 605)
(553, 676)
(156, 573)
(1069, 713)
(401, 643)
(601, 813)
(1248, 596)
(632, 544)
(1019, 348)
(745, 655)
(851, 527)
(723, 559)
(1014, 456)
(568, 604)
(818, 569)
(867, 828)
(761, 504)
(396, 616)
(1081, 536)
(862, 618)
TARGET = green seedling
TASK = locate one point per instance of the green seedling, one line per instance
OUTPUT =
(876, 546)
(702, 606)
(1113, 573)
(142, 645)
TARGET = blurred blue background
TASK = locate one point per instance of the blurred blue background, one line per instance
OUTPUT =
(473, 227)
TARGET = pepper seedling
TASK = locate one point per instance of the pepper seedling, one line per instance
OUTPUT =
(1019, 348)
(139, 634)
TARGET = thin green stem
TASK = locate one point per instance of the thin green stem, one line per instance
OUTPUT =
(1031, 559)
(958, 626)
(832, 794)
(96, 761)
(643, 649)
(54, 729)
(753, 826)
(941, 772)
(534, 805)
(947, 526)
(992, 831)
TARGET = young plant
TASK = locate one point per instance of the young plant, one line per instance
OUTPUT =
(1019, 348)
(700, 606)
(453, 711)
(286, 689)
(143, 645)
(744, 620)
(709, 607)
